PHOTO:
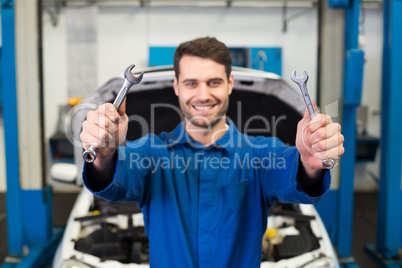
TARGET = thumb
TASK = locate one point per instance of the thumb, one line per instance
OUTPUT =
(306, 112)
(122, 109)
(315, 106)
(306, 115)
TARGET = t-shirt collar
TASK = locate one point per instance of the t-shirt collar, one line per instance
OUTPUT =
(180, 136)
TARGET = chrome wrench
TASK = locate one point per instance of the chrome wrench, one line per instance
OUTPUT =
(302, 82)
(130, 80)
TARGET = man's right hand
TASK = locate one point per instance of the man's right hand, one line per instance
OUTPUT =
(106, 129)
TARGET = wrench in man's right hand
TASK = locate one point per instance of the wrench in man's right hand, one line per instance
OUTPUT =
(130, 80)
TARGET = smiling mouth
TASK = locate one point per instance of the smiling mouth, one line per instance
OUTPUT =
(203, 108)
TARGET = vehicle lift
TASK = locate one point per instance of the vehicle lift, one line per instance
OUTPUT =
(32, 240)
(336, 207)
(388, 248)
(338, 204)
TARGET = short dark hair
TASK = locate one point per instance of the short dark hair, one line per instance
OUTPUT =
(207, 48)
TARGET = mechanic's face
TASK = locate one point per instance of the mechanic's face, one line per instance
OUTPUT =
(203, 90)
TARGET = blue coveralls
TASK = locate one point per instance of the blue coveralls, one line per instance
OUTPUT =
(206, 206)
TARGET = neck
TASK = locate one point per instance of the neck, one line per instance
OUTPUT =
(209, 135)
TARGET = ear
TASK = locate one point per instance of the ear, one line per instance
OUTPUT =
(176, 91)
(231, 84)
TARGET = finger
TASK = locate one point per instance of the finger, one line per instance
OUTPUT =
(306, 114)
(328, 144)
(320, 120)
(99, 134)
(315, 106)
(333, 153)
(89, 140)
(102, 121)
(122, 109)
(301, 126)
(110, 111)
(325, 132)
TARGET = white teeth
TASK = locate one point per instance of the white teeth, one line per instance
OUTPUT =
(202, 107)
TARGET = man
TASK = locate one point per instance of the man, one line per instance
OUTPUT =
(205, 188)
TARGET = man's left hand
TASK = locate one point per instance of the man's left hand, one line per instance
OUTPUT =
(316, 140)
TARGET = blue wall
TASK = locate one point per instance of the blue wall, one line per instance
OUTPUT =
(258, 58)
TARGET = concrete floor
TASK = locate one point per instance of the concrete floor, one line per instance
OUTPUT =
(3, 228)
(364, 230)
(62, 205)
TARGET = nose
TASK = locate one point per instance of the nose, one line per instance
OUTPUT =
(203, 92)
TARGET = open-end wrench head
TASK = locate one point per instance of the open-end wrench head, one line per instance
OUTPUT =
(299, 80)
(130, 77)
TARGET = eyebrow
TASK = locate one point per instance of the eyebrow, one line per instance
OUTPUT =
(216, 79)
(209, 80)
(188, 80)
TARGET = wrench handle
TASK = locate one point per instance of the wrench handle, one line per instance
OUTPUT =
(326, 163)
(307, 100)
(90, 154)
(122, 94)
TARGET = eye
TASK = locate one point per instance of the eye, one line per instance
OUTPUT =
(190, 83)
(215, 83)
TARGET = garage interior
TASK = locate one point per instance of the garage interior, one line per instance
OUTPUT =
(57, 52)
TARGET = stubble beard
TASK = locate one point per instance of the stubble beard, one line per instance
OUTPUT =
(204, 122)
